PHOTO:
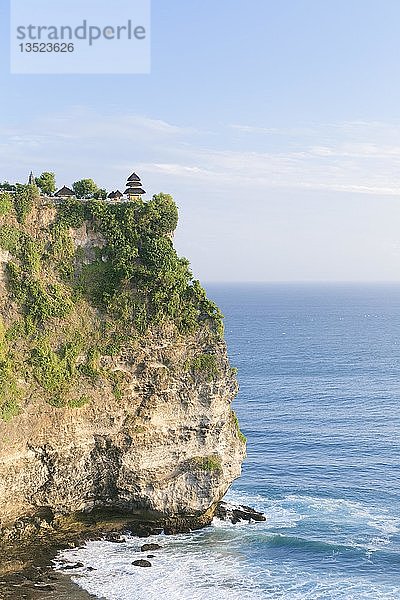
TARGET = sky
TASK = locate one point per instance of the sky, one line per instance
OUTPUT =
(274, 125)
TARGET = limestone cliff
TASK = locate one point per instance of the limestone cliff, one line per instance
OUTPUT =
(115, 383)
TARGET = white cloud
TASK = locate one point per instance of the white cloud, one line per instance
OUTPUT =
(355, 157)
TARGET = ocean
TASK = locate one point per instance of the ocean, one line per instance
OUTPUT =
(319, 402)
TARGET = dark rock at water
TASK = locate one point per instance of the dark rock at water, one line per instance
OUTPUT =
(143, 530)
(77, 565)
(237, 513)
(115, 538)
(150, 547)
(151, 556)
(91, 569)
(141, 563)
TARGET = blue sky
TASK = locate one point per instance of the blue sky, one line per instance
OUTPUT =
(275, 125)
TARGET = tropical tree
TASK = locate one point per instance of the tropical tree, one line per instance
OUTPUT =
(101, 194)
(46, 183)
(7, 187)
(85, 188)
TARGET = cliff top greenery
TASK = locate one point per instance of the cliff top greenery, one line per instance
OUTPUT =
(74, 302)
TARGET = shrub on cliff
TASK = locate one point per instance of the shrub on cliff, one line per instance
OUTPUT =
(23, 199)
(5, 203)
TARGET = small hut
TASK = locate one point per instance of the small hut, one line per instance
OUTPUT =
(115, 196)
(64, 192)
(134, 189)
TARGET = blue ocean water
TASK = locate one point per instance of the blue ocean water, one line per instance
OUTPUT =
(319, 401)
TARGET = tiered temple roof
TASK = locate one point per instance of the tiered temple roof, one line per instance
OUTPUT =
(134, 186)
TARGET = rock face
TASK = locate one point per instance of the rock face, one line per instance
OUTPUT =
(147, 455)
(165, 451)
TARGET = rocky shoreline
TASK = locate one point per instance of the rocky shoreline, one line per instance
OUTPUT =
(26, 567)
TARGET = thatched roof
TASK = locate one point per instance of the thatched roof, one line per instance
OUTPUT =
(64, 191)
(134, 184)
(118, 194)
(134, 191)
(111, 195)
(134, 177)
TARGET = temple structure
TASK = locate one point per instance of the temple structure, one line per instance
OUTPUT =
(115, 196)
(31, 180)
(64, 192)
(134, 189)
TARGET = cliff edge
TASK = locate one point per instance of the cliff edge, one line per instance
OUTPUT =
(115, 387)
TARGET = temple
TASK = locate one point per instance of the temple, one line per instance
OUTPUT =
(134, 189)
(115, 196)
(64, 192)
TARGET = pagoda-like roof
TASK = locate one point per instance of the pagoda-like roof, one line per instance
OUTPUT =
(134, 177)
(118, 194)
(134, 184)
(111, 195)
(64, 191)
(134, 191)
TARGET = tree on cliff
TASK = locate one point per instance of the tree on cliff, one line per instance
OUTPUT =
(7, 187)
(85, 188)
(101, 194)
(46, 183)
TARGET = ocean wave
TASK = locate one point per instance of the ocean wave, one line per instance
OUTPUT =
(292, 508)
(207, 566)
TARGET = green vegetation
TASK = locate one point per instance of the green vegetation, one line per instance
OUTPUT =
(204, 363)
(73, 306)
(71, 214)
(5, 203)
(39, 300)
(210, 463)
(147, 283)
(78, 402)
(55, 371)
(241, 435)
(23, 199)
(10, 238)
(62, 250)
(86, 188)
(7, 187)
(59, 372)
(46, 183)
(9, 393)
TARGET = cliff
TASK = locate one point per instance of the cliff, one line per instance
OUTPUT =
(115, 384)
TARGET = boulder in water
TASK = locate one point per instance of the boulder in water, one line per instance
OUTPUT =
(237, 513)
(150, 547)
(141, 563)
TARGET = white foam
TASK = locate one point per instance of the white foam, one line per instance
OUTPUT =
(188, 567)
(337, 510)
(203, 567)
